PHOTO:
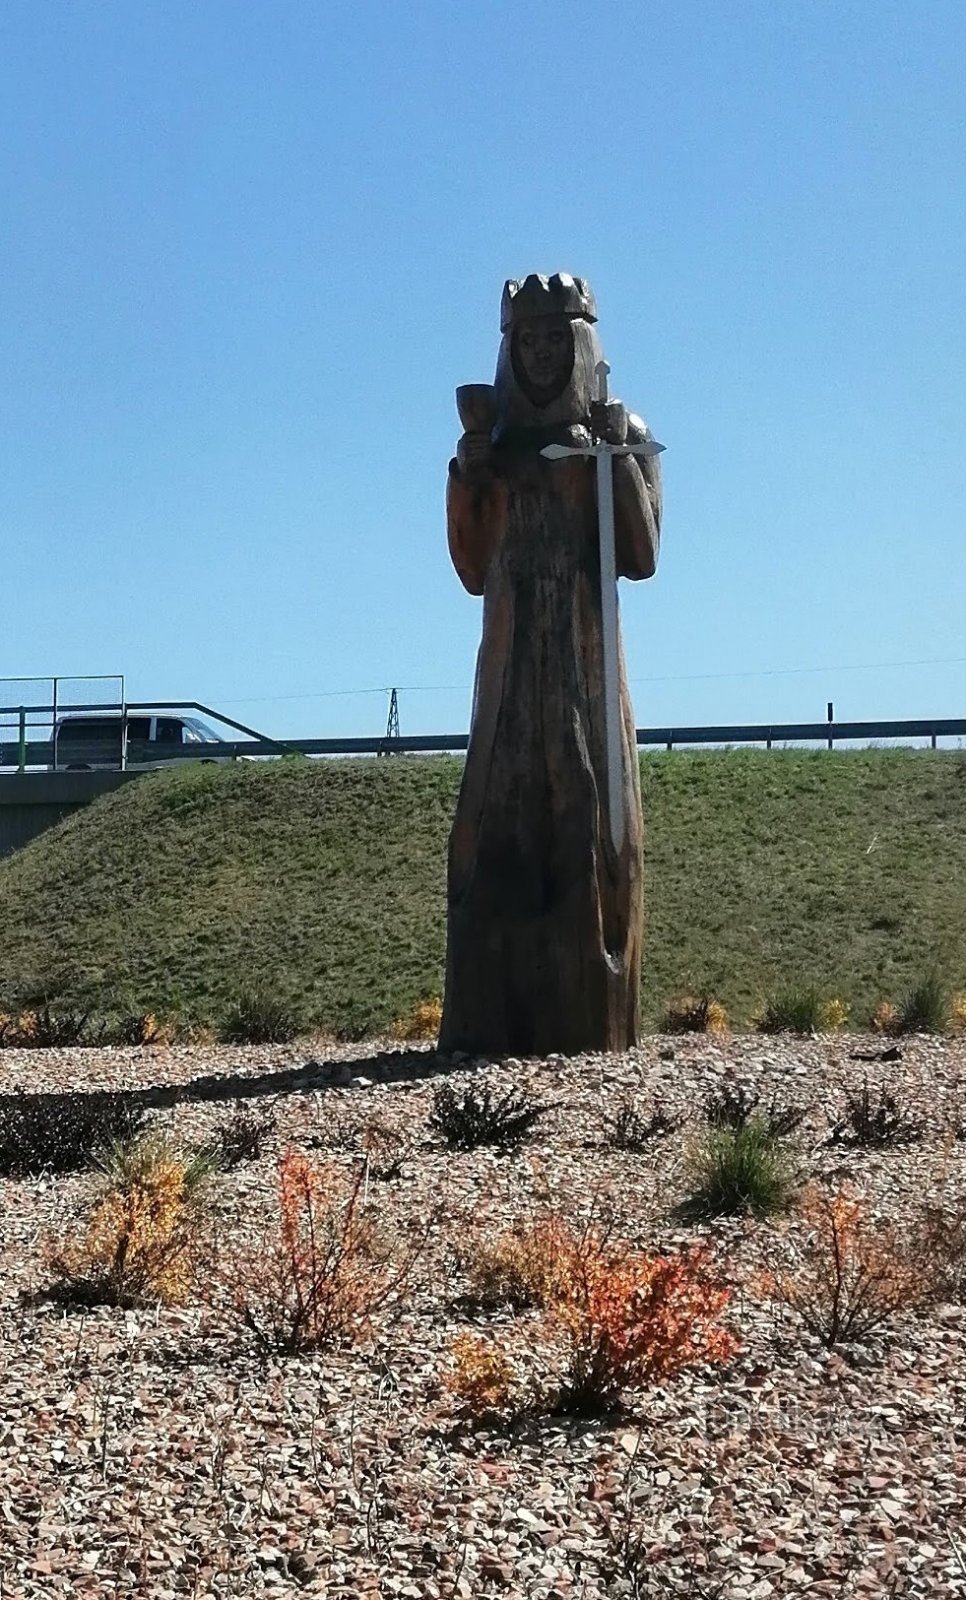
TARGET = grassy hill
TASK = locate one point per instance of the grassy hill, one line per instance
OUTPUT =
(324, 882)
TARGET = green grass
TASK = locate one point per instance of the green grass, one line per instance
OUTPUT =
(323, 884)
(738, 1170)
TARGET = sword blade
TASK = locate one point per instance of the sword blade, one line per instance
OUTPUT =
(609, 620)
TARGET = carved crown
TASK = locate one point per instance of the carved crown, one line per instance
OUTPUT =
(540, 296)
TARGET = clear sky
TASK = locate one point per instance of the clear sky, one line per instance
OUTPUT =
(250, 249)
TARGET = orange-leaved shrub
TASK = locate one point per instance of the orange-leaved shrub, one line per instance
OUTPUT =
(483, 1378)
(144, 1236)
(322, 1273)
(849, 1273)
(520, 1267)
(630, 1319)
(422, 1022)
(623, 1318)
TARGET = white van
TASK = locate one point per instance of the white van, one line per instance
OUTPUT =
(84, 742)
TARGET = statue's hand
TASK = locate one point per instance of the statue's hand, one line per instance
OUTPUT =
(474, 453)
(608, 421)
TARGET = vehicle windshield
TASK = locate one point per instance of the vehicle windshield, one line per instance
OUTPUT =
(197, 732)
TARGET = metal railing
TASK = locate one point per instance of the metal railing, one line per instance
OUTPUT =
(24, 752)
(36, 705)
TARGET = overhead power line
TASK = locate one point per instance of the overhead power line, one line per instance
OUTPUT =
(669, 677)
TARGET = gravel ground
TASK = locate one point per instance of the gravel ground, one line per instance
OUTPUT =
(157, 1454)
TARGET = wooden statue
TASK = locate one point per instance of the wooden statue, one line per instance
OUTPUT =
(545, 881)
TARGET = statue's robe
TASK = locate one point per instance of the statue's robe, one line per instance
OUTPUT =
(544, 918)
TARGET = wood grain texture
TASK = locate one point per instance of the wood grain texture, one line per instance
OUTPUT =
(544, 918)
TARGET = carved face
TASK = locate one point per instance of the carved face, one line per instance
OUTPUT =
(542, 351)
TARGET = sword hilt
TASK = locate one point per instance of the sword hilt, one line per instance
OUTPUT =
(602, 371)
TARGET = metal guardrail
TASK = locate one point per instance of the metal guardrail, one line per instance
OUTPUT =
(40, 753)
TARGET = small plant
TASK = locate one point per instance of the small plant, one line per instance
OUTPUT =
(738, 1170)
(688, 1013)
(385, 1149)
(257, 1018)
(422, 1023)
(957, 1013)
(477, 1116)
(139, 1028)
(733, 1105)
(835, 1014)
(518, 1268)
(241, 1136)
(143, 1237)
(850, 1274)
(61, 1132)
(630, 1319)
(885, 1018)
(925, 1009)
(796, 1011)
(632, 1129)
(320, 1277)
(43, 1029)
(623, 1319)
(876, 1122)
(483, 1379)
(383, 1146)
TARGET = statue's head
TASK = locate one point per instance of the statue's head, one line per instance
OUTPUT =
(542, 352)
(549, 347)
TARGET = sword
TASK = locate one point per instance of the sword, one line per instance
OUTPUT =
(604, 454)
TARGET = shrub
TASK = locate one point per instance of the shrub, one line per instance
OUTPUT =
(795, 1011)
(43, 1029)
(738, 1170)
(383, 1146)
(835, 1014)
(624, 1319)
(483, 1379)
(925, 1009)
(688, 1013)
(143, 1237)
(849, 1274)
(476, 1116)
(423, 1022)
(257, 1018)
(141, 1028)
(730, 1105)
(385, 1149)
(733, 1105)
(885, 1017)
(876, 1122)
(632, 1129)
(240, 1136)
(519, 1267)
(319, 1278)
(60, 1132)
(630, 1319)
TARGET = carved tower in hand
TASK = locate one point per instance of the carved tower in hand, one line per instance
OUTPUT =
(544, 891)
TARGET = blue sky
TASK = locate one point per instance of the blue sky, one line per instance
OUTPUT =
(249, 250)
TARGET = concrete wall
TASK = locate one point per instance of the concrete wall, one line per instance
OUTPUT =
(32, 802)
